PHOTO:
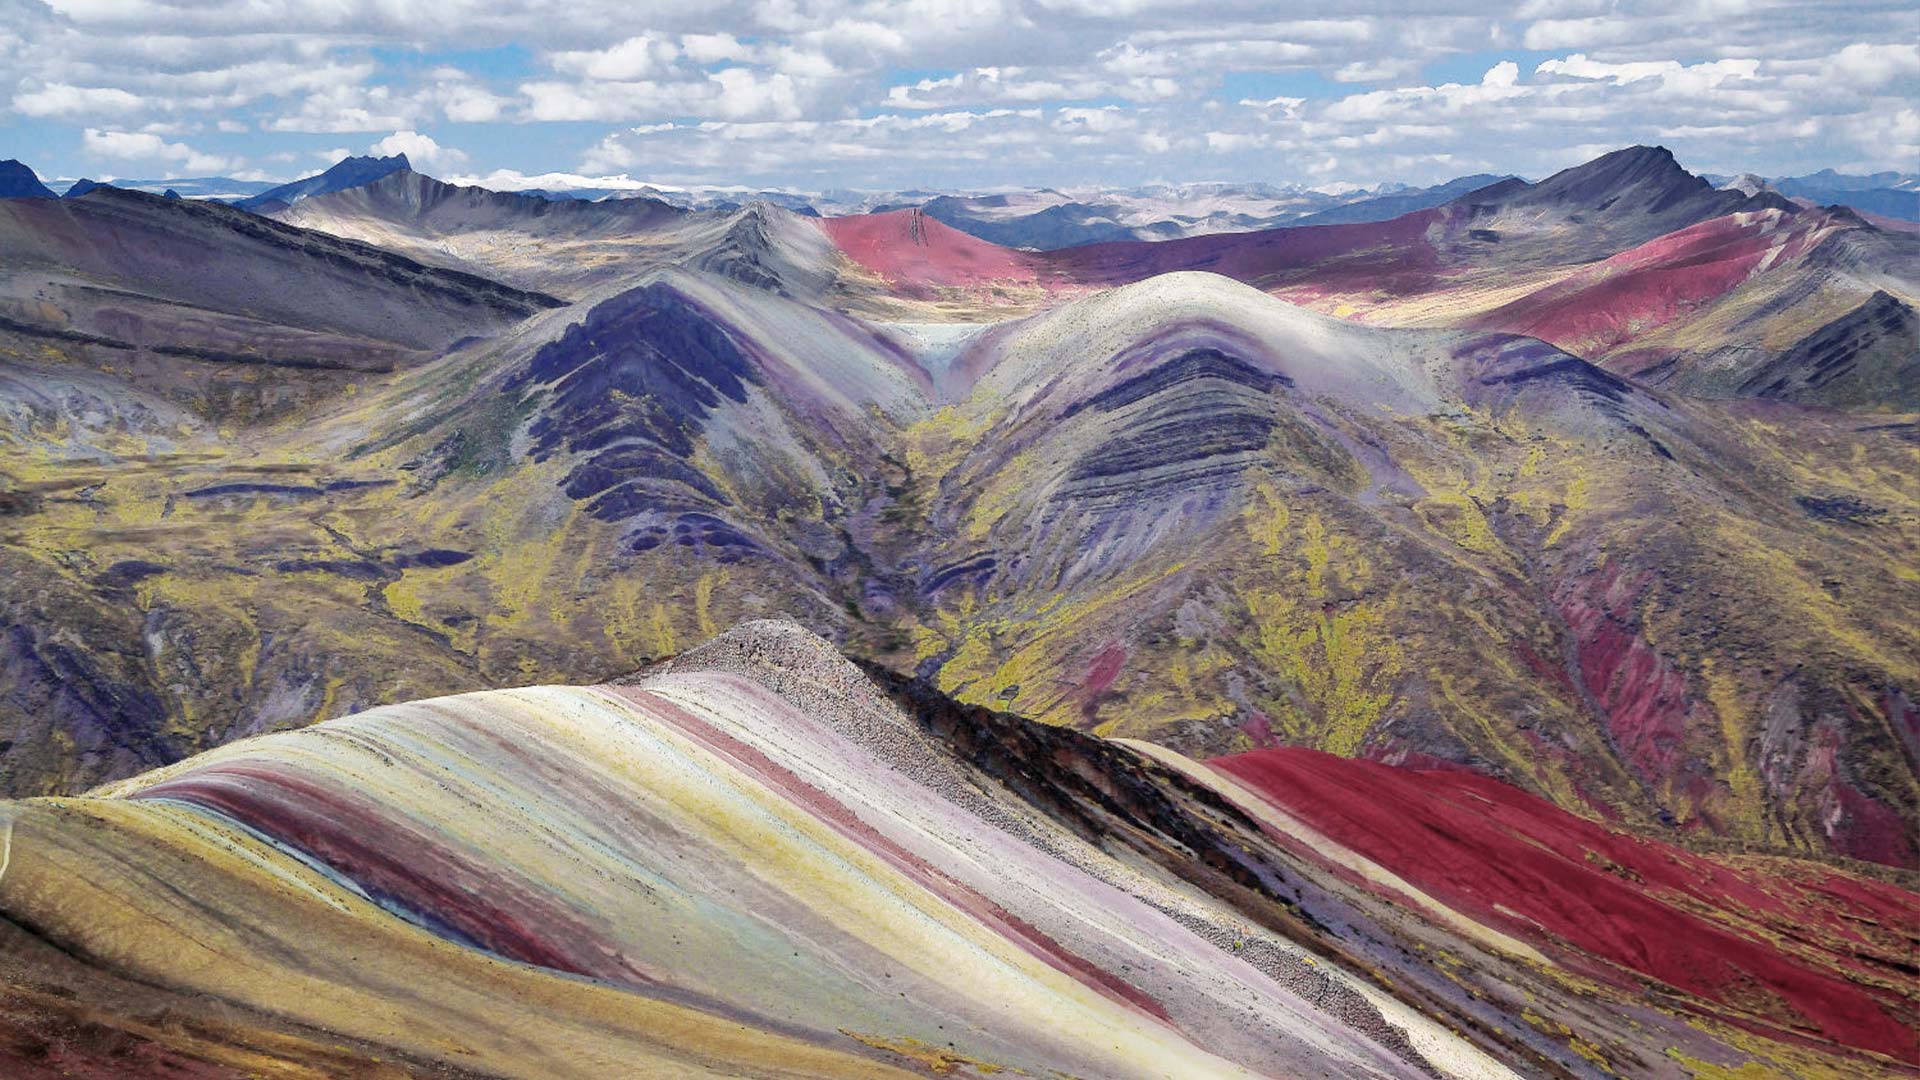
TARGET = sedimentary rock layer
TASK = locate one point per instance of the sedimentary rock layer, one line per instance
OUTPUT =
(757, 860)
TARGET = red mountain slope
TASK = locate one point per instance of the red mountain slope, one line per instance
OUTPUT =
(1610, 303)
(914, 251)
(1785, 949)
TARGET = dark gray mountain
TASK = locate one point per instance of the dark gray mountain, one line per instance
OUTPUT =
(19, 182)
(348, 173)
(1869, 356)
(1614, 202)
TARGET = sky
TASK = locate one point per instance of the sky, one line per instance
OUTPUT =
(953, 94)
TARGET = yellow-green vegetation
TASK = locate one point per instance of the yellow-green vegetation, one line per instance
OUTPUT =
(1766, 1060)
(1030, 650)
(1001, 497)
(1311, 627)
(703, 604)
(1584, 1047)
(1266, 518)
(1749, 818)
(936, 445)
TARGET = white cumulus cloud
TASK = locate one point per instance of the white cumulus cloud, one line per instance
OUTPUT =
(421, 150)
(146, 148)
(60, 99)
(830, 88)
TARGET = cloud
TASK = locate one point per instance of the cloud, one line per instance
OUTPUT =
(634, 58)
(1730, 84)
(1577, 33)
(1873, 66)
(348, 108)
(514, 180)
(146, 148)
(612, 102)
(1288, 105)
(59, 99)
(713, 48)
(1372, 70)
(1703, 76)
(1013, 85)
(1895, 132)
(745, 94)
(420, 149)
(732, 93)
(465, 102)
(786, 152)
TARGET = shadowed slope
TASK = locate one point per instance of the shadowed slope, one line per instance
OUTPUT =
(246, 264)
(580, 248)
(1868, 357)
(346, 173)
(1181, 510)
(1609, 204)
(1584, 213)
(195, 300)
(1627, 260)
(1735, 306)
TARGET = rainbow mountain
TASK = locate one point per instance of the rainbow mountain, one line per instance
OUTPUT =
(1505, 611)
(757, 859)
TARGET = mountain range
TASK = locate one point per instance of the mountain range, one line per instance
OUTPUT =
(1049, 218)
(1474, 641)
(1890, 194)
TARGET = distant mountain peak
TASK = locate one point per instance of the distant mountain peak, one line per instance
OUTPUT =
(1634, 166)
(17, 181)
(1747, 184)
(1639, 159)
(1615, 202)
(1641, 152)
(382, 165)
(346, 173)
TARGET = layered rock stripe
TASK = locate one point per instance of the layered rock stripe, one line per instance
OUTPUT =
(752, 862)
(742, 880)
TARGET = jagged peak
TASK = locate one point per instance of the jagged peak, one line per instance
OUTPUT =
(392, 163)
(1640, 152)
(1631, 165)
(346, 173)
